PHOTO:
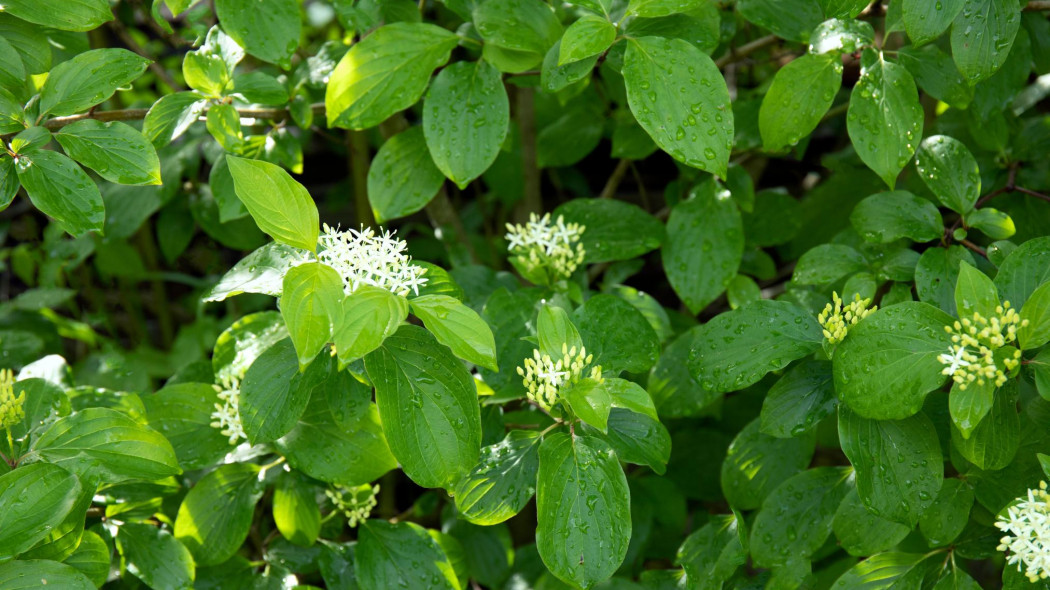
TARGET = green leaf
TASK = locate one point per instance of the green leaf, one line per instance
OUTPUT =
(62, 190)
(884, 571)
(756, 463)
(311, 298)
(502, 482)
(262, 271)
(1036, 312)
(862, 533)
(88, 79)
(680, 98)
(365, 320)
(888, 363)
(340, 423)
(92, 558)
(466, 115)
(30, 42)
(279, 205)
(583, 506)
(1025, 269)
(429, 407)
(30, 140)
(936, 74)
(705, 243)
(215, 516)
(224, 124)
(107, 443)
(42, 572)
(991, 222)
(884, 117)
(403, 177)
(401, 554)
(827, 264)
(522, 29)
(614, 230)
(737, 348)
(946, 518)
(889, 216)
(633, 346)
(654, 8)
(937, 273)
(115, 150)
(982, 35)
(554, 329)
(183, 411)
(260, 88)
(555, 78)
(800, 95)
(975, 293)
(274, 394)
(295, 510)
(171, 116)
(82, 15)
(269, 30)
(384, 73)
(12, 117)
(898, 463)
(458, 327)
(994, 442)
(210, 68)
(712, 554)
(969, 406)
(788, 19)
(796, 403)
(950, 172)
(835, 37)
(36, 498)
(590, 401)
(155, 557)
(925, 21)
(796, 518)
(638, 438)
(587, 37)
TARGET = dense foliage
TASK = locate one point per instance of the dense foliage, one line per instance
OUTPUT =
(524, 294)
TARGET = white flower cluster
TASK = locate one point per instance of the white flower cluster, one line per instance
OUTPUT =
(356, 503)
(363, 257)
(1027, 525)
(226, 417)
(542, 243)
(544, 377)
(971, 356)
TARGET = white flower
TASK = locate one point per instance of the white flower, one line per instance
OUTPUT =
(955, 361)
(544, 377)
(539, 243)
(226, 416)
(1027, 524)
(366, 258)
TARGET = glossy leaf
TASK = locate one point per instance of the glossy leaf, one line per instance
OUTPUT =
(502, 482)
(215, 516)
(950, 172)
(402, 554)
(403, 177)
(458, 327)
(115, 150)
(88, 79)
(615, 230)
(925, 21)
(37, 498)
(757, 463)
(889, 216)
(268, 30)
(155, 557)
(982, 35)
(801, 93)
(278, 204)
(61, 189)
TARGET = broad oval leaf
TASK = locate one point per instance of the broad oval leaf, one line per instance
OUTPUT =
(311, 300)
(583, 505)
(36, 498)
(215, 516)
(1024, 270)
(796, 403)
(109, 444)
(737, 348)
(402, 178)
(982, 35)
(401, 554)
(42, 572)
(60, 189)
(888, 362)
(262, 271)
(950, 171)
(278, 204)
(884, 117)
(458, 327)
(680, 98)
(801, 93)
(183, 412)
(429, 407)
(614, 230)
(1036, 312)
(154, 556)
(115, 150)
(862, 533)
(502, 482)
(82, 15)
(466, 115)
(925, 21)
(269, 30)
(295, 510)
(633, 346)
(790, 19)
(384, 73)
(889, 216)
(366, 318)
(88, 79)
(274, 394)
(756, 463)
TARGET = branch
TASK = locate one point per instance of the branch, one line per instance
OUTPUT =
(533, 200)
(1037, 5)
(276, 114)
(615, 178)
(735, 55)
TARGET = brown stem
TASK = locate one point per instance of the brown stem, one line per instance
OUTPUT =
(532, 201)
(443, 214)
(615, 178)
(1032, 193)
(276, 114)
(358, 159)
(739, 53)
(1037, 5)
(974, 247)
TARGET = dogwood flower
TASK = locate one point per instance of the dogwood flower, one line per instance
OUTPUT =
(971, 356)
(11, 406)
(1027, 524)
(356, 503)
(540, 244)
(226, 416)
(544, 377)
(363, 257)
(836, 319)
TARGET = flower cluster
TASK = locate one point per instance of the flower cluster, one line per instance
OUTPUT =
(971, 356)
(836, 319)
(540, 243)
(226, 416)
(544, 377)
(356, 502)
(363, 257)
(11, 411)
(1027, 528)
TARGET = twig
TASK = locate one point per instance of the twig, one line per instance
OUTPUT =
(275, 114)
(739, 53)
(358, 159)
(1037, 5)
(974, 247)
(532, 201)
(615, 178)
(1032, 193)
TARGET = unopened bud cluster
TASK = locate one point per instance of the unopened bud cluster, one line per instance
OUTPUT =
(544, 377)
(367, 258)
(554, 246)
(356, 503)
(836, 319)
(971, 356)
(1027, 528)
(11, 410)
